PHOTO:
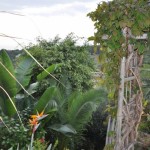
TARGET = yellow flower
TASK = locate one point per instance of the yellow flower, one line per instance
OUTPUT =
(34, 121)
(38, 116)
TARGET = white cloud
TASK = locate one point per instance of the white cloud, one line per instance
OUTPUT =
(60, 9)
(58, 19)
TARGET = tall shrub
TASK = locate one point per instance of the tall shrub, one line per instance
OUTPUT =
(77, 64)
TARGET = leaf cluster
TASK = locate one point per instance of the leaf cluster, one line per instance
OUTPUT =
(7, 82)
(76, 61)
(71, 113)
(110, 18)
(14, 134)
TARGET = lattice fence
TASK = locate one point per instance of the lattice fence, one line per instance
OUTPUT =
(124, 126)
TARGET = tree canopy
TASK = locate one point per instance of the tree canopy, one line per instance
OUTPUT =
(77, 64)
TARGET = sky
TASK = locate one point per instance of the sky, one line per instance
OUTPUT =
(45, 19)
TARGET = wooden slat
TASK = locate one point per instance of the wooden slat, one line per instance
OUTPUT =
(129, 79)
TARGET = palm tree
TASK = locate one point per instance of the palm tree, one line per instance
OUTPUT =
(73, 113)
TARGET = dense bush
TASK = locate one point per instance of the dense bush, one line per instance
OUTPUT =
(77, 64)
(14, 134)
(68, 111)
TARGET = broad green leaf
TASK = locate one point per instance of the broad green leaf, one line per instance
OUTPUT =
(45, 98)
(65, 129)
(23, 71)
(51, 106)
(6, 80)
(50, 69)
(8, 83)
(33, 88)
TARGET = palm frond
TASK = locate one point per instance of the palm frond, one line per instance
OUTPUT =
(82, 106)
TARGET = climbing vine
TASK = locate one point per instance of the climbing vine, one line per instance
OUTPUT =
(112, 20)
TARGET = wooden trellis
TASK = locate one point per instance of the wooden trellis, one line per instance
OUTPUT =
(124, 126)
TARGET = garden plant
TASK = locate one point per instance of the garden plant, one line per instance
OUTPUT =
(47, 95)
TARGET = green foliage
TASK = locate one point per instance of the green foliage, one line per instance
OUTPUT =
(72, 65)
(145, 75)
(14, 135)
(50, 69)
(145, 126)
(109, 146)
(64, 129)
(13, 53)
(77, 64)
(45, 98)
(38, 145)
(8, 83)
(81, 107)
(73, 115)
(23, 70)
(145, 72)
(95, 134)
(110, 18)
(8, 74)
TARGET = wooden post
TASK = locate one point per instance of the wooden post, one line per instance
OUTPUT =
(108, 129)
(120, 106)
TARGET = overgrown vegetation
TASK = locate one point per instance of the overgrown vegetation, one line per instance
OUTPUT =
(119, 27)
(53, 105)
(76, 62)
(68, 109)
(109, 23)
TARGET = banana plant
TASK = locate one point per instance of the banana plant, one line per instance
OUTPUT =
(8, 83)
(22, 74)
(23, 71)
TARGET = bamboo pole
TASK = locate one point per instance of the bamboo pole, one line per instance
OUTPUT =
(120, 106)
